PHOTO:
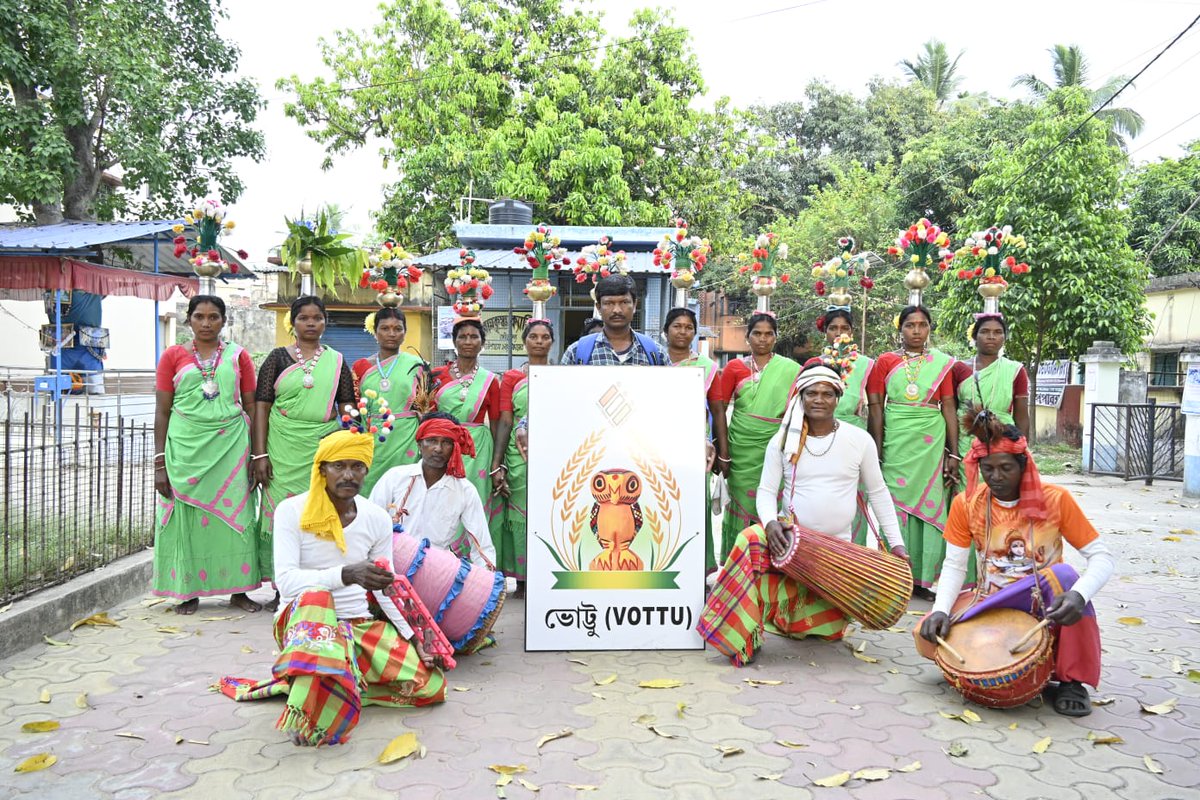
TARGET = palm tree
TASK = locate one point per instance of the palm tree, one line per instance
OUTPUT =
(934, 70)
(1071, 69)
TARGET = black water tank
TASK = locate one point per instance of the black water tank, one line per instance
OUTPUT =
(510, 212)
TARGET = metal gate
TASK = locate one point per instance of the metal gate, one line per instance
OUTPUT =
(1136, 441)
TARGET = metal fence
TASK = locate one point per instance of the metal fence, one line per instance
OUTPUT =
(1136, 441)
(76, 496)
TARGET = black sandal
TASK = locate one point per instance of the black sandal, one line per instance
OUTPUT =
(1071, 699)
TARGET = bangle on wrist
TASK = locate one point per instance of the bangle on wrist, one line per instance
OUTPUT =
(955, 456)
(163, 456)
(497, 469)
(260, 455)
(724, 460)
(163, 469)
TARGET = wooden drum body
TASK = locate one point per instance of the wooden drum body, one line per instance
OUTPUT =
(991, 675)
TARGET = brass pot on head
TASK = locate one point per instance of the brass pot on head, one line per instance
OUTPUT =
(763, 288)
(916, 281)
(390, 298)
(991, 293)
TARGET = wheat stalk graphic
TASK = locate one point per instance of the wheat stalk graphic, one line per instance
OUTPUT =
(565, 531)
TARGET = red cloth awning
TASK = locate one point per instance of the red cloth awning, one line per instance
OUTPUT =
(26, 277)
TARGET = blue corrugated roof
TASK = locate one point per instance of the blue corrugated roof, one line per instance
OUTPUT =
(72, 236)
(508, 260)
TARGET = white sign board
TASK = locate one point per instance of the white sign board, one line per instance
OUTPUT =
(1191, 390)
(1052, 377)
(616, 508)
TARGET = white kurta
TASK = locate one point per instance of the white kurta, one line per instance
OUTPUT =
(436, 512)
(303, 561)
(821, 489)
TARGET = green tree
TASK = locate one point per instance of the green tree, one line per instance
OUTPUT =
(524, 98)
(144, 86)
(1163, 194)
(935, 70)
(1071, 69)
(1086, 283)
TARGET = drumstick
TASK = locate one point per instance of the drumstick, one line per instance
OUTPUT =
(951, 650)
(1016, 648)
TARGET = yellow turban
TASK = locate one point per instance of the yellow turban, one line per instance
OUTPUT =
(319, 517)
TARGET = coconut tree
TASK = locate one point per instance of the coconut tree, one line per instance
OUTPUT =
(1071, 69)
(935, 70)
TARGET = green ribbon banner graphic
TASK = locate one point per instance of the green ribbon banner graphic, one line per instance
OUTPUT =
(615, 580)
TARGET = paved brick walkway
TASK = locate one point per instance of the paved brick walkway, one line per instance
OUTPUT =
(147, 687)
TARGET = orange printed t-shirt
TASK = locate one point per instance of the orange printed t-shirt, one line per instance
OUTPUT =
(1013, 546)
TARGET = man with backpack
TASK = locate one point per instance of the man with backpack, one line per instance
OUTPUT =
(616, 343)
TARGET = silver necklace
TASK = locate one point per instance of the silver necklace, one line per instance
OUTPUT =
(208, 376)
(385, 382)
(832, 439)
(308, 366)
(458, 376)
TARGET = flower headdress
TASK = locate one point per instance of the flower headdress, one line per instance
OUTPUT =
(988, 253)
(920, 247)
(472, 284)
(390, 270)
(207, 221)
(833, 277)
(841, 355)
(684, 255)
(599, 260)
(370, 415)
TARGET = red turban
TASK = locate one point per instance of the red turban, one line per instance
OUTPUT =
(1032, 502)
(463, 443)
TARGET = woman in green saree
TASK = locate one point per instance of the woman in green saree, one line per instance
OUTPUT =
(471, 395)
(393, 375)
(204, 532)
(911, 416)
(992, 381)
(758, 386)
(510, 461)
(301, 391)
(679, 329)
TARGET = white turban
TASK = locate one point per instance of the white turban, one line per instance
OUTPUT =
(793, 420)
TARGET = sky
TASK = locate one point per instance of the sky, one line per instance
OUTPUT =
(752, 51)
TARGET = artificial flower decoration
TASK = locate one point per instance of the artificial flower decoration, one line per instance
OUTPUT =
(207, 221)
(989, 253)
(763, 265)
(841, 355)
(599, 260)
(390, 269)
(923, 245)
(543, 251)
(684, 255)
(833, 277)
(470, 285)
(370, 415)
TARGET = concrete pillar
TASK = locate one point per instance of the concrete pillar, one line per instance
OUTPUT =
(1101, 384)
(1190, 359)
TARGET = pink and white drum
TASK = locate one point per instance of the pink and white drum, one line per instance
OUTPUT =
(465, 599)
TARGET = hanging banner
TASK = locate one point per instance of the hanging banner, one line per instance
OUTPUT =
(502, 330)
(616, 508)
(1052, 377)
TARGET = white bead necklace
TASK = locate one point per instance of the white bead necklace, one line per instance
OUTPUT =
(307, 366)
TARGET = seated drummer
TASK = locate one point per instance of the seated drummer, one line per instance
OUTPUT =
(820, 462)
(335, 656)
(433, 499)
(1017, 524)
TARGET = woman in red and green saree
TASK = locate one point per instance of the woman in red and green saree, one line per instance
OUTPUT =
(301, 390)
(679, 329)
(510, 461)
(205, 539)
(911, 416)
(758, 386)
(835, 323)
(393, 375)
(471, 394)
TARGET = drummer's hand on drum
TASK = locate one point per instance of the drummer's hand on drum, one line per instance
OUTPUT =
(900, 551)
(366, 575)
(1067, 608)
(778, 539)
(935, 625)
(429, 661)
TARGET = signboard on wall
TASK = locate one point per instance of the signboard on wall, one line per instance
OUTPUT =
(1191, 390)
(502, 328)
(616, 530)
(1052, 379)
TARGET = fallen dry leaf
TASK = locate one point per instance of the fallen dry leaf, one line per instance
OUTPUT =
(1171, 539)
(1156, 650)
(833, 780)
(1177, 665)
(792, 745)
(861, 647)
(680, 707)
(913, 767)
(178, 740)
(865, 658)
(957, 750)
(661, 733)
(769, 776)
(1184, 531)
(893, 672)
(661, 683)
(759, 682)
(1193, 675)
(1012, 727)
(896, 630)
(582, 787)
(402, 746)
(598, 696)
(44, 697)
(578, 661)
(550, 737)
(98, 620)
(605, 681)
(196, 741)
(873, 774)
(168, 629)
(1042, 745)
(462, 688)
(1165, 707)
(1103, 701)
(1192, 621)
(247, 648)
(1152, 765)
(81, 701)
(1105, 739)
(1131, 620)
(533, 787)
(970, 716)
(728, 750)
(154, 602)
(645, 719)
(6, 608)
(41, 726)
(508, 769)
(36, 763)
(54, 643)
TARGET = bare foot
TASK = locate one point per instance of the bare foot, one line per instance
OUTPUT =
(272, 605)
(240, 600)
(299, 740)
(188, 607)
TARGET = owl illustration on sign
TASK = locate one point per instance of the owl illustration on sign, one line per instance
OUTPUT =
(616, 519)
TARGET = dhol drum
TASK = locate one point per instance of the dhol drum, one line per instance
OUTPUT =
(465, 599)
(989, 673)
(869, 585)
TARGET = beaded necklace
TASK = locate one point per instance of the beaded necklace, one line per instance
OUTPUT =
(458, 376)
(308, 366)
(208, 377)
(912, 391)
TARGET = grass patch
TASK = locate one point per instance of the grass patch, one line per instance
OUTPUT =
(1057, 459)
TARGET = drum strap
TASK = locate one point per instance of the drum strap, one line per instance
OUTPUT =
(862, 507)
